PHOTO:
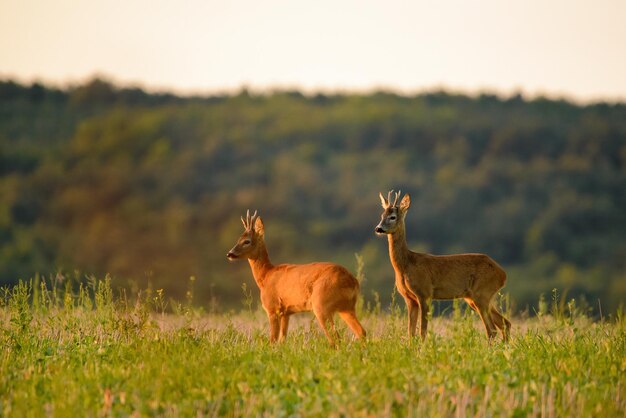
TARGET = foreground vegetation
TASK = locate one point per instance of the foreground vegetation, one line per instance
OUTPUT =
(90, 351)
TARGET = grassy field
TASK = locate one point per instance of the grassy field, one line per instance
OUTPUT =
(90, 352)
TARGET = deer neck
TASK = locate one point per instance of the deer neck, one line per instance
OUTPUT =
(398, 249)
(260, 265)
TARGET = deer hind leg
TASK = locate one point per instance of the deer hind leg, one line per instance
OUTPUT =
(494, 319)
(333, 330)
(349, 317)
(484, 309)
(284, 326)
(327, 324)
(502, 323)
(472, 305)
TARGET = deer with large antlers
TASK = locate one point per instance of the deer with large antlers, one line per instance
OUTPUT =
(422, 277)
(324, 288)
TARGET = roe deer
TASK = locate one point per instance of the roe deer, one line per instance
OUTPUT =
(422, 277)
(324, 288)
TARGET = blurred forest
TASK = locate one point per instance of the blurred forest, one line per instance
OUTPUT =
(98, 179)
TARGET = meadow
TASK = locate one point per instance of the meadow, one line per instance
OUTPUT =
(85, 349)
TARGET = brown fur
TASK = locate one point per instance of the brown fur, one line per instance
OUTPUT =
(422, 277)
(324, 288)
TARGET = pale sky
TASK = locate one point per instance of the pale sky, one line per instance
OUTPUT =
(570, 48)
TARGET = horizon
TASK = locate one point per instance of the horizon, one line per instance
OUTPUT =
(310, 93)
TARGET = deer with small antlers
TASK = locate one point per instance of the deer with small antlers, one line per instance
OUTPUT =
(324, 288)
(422, 277)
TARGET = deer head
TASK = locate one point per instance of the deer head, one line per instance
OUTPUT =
(248, 243)
(393, 214)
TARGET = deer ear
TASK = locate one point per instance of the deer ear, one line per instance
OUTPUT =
(383, 201)
(259, 228)
(405, 203)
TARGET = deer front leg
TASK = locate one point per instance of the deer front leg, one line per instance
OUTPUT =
(284, 325)
(424, 307)
(413, 311)
(274, 327)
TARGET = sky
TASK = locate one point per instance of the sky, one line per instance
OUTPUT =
(573, 49)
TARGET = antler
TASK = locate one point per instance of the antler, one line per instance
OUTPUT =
(387, 203)
(395, 201)
(253, 219)
(248, 223)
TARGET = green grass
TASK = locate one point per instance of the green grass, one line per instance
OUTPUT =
(89, 352)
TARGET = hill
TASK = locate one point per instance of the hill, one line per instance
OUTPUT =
(150, 187)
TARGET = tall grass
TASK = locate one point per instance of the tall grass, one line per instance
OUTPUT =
(81, 349)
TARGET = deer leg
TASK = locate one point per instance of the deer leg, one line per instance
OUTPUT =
(497, 320)
(472, 305)
(284, 325)
(424, 308)
(501, 322)
(323, 320)
(413, 311)
(274, 327)
(349, 317)
(485, 313)
(333, 330)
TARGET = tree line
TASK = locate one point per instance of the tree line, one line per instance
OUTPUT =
(98, 179)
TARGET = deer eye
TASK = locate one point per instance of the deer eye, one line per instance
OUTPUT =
(392, 217)
(246, 242)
